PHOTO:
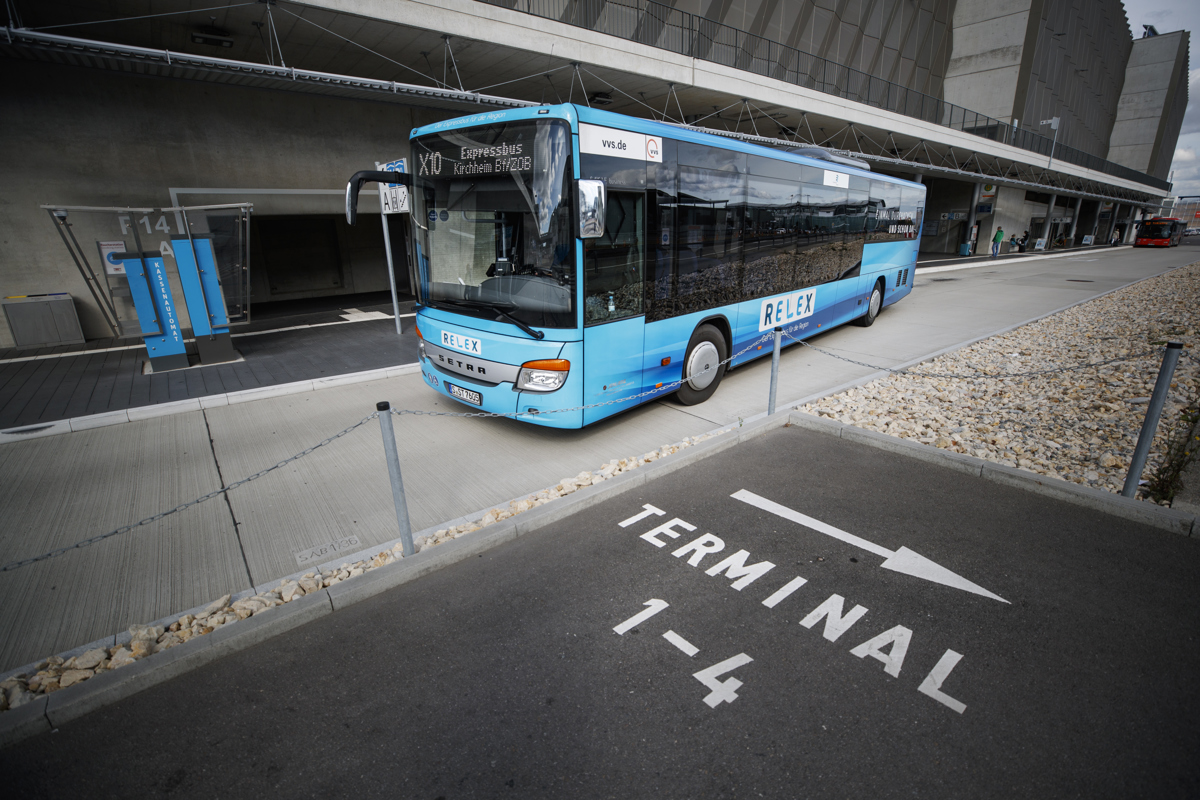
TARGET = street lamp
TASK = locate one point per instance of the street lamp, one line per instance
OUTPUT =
(1053, 123)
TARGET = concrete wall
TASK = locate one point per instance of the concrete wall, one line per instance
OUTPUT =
(1075, 71)
(1150, 113)
(1010, 212)
(989, 47)
(944, 196)
(85, 137)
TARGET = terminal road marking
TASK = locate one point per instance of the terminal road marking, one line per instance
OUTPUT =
(722, 691)
(655, 606)
(683, 644)
(902, 560)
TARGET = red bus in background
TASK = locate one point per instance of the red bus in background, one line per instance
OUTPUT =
(1159, 232)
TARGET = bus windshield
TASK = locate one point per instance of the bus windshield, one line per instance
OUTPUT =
(492, 222)
(1155, 230)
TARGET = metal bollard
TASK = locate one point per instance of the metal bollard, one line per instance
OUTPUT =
(774, 372)
(393, 462)
(1153, 412)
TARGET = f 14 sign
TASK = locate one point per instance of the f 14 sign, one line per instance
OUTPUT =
(393, 198)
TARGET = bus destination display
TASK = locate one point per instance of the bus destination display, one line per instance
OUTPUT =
(503, 158)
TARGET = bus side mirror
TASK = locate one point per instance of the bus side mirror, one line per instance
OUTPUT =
(367, 176)
(593, 204)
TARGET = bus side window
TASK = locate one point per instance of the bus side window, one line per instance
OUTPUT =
(614, 265)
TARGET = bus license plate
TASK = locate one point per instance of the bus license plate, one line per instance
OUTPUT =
(466, 395)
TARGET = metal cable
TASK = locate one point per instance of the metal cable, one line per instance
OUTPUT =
(908, 370)
(143, 16)
(84, 543)
(78, 545)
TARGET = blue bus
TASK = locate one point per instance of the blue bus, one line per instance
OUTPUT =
(572, 258)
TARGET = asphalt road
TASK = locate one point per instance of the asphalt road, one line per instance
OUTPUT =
(1064, 665)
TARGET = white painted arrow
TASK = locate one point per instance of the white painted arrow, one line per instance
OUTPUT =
(902, 560)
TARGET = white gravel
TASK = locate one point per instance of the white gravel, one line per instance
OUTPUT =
(1076, 424)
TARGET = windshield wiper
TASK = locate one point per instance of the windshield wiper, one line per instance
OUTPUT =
(498, 310)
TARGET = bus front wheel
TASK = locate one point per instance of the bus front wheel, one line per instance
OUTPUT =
(873, 306)
(702, 366)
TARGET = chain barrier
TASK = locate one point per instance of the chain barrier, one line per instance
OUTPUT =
(79, 545)
(1030, 374)
(667, 387)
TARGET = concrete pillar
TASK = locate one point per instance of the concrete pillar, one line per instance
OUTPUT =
(1132, 226)
(1074, 221)
(1096, 221)
(1046, 224)
(1112, 223)
(919, 177)
(971, 213)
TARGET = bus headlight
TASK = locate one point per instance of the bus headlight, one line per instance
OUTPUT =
(543, 376)
(421, 349)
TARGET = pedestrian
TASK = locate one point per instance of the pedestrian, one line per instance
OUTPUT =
(996, 241)
(1115, 238)
(1024, 241)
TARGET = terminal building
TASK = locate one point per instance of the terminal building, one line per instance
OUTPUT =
(1044, 116)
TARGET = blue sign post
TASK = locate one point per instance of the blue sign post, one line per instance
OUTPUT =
(155, 309)
(205, 301)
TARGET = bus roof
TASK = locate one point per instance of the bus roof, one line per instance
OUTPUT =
(575, 114)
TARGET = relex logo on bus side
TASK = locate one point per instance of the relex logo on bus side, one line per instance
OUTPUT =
(787, 309)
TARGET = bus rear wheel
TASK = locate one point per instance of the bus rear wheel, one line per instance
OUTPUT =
(702, 366)
(873, 306)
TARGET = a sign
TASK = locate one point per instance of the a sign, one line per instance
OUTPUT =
(498, 158)
(393, 197)
(107, 250)
(839, 179)
(464, 343)
(988, 192)
(785, 310)
(1041, 245)
(598, 141)
(1088, 240)
(983, 208)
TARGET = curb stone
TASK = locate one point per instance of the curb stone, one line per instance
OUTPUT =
(28, 720)
(39, 429)
(1168, 519)
(115, 685)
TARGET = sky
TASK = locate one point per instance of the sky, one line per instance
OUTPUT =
(1167, 16)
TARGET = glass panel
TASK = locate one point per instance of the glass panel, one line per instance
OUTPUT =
(709, 246)
(492, 222)
(613, 265)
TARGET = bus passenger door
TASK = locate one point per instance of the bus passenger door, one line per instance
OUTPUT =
(614, 268)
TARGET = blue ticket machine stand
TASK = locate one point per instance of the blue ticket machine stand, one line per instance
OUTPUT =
(155, 309)
(205, 302)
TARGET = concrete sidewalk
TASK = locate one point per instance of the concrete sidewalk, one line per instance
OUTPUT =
(65, 488)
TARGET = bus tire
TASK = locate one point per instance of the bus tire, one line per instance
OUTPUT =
(874, 304)
(705, 352)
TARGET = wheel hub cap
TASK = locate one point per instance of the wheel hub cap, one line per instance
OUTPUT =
(701, 367)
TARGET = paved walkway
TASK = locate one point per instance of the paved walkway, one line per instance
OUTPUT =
(46, 384)
(754, 624)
